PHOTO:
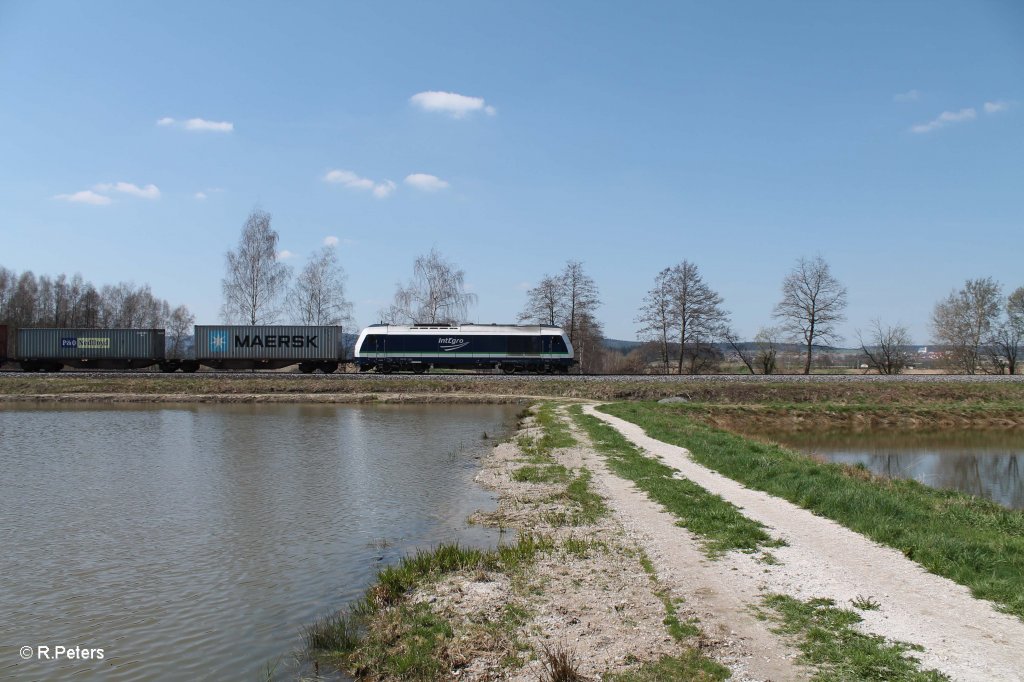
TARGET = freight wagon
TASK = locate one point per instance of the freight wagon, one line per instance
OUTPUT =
(51, 350)
(265, 347)
(218, 347)
(417, 348)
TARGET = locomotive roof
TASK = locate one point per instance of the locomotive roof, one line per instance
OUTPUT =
(468, 328)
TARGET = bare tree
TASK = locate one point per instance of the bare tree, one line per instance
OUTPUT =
(318, 295)
(545, 303)
(767, 357)
(657, 316)
(569, 300)
(964, 320)
(255, 280)
(581, 299)
(697, 314)
(179, 325)
(888, 348)
(589, 346)
(436, 294)
(812, 304)
(1005, 341)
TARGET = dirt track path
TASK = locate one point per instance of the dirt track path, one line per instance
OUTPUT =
(963, 637)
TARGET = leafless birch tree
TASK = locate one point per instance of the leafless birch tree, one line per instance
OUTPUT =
(657, 316)
(963, 320)
(255, 281)
(581, 298)
(812, 304)
(436, 294)
(318, 295)
(179, 328)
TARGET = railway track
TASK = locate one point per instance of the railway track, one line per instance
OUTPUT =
(470, 376)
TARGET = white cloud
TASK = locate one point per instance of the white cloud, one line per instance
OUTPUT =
(426, 182)
(198, 125)
(944, 119)
(331, 241)
(285, 254)
(995, 107)
(908, 96)
(212, 126)
(86, 196)
(347, 178)
(454, 104)
(384, 189)
(147, 192)
(200, 195)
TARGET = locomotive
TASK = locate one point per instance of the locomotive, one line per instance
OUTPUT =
(416, 348)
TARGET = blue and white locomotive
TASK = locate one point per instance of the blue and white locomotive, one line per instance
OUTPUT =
(416, 348)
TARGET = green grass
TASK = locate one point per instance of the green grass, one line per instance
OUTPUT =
(556, 432)
(586, 506)
(549, 473)
(718, 523)
(827, 640)
(972, 541)
(384, 634)
(691, 665)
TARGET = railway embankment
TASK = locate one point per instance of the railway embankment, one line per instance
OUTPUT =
(794, 401)
(637, 560)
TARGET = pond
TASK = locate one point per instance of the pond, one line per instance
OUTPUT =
(982, 463)
(195, 542)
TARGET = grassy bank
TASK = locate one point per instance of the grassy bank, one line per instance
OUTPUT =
(386, 635)
(958, 399)
(972, 541)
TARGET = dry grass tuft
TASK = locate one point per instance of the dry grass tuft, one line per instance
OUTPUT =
(560, 665)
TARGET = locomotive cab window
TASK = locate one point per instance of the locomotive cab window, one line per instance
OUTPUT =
(558, 345)
(373, 343)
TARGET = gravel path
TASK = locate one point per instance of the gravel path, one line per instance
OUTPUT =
(963, 637)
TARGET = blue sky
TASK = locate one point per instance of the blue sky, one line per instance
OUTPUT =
(886, 137)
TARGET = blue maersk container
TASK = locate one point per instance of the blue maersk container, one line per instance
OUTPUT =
(268, 346)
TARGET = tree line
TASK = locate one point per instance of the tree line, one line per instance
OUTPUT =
(27, 300)
(682, 321)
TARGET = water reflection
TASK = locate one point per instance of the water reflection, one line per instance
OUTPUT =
(983, 463)
(193, 542)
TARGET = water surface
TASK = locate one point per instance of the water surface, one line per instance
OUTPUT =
(983, 463)
(194, 542)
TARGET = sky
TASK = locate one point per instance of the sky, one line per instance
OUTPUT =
(887, 138)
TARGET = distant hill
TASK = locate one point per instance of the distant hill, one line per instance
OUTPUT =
(620, 346)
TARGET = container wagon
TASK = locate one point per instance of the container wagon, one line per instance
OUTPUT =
(510, 348)
(264, 347)
(51, 350)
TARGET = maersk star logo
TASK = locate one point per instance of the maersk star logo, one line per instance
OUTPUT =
(218, 341)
